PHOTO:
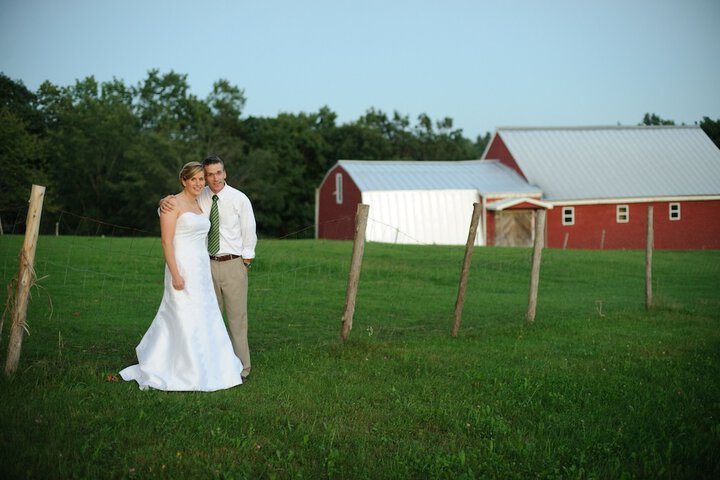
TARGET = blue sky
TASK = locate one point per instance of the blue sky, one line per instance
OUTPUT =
(484, 63)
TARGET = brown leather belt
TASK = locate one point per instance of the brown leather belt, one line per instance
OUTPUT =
(224, 258)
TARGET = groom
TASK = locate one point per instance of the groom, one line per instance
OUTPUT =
(231, 247)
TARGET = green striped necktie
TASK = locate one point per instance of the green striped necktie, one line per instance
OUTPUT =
(214, 235)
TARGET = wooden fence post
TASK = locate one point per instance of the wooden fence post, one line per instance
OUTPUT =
(354, 276)
(649, 244)
(537, 255)
(477, 209)
(26, 275)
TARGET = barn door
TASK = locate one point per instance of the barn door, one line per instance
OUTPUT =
(514, 228)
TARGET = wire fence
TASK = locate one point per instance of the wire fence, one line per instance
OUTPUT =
(117, 274)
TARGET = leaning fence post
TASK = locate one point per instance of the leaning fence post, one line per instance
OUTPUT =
(648, 259)
(477, 209)
(354, 276)
(26, 275)
(537, 255)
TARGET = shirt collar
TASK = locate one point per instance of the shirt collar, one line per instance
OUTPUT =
(220, 193)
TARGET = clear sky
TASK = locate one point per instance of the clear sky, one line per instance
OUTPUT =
(484, 63)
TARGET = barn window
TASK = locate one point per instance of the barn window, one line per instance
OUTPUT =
(623, 214)
(338, 188)
(568, 216)
(674, 210)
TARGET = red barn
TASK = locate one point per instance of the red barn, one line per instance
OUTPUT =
(602, 179)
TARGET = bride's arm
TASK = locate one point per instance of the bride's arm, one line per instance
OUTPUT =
(168, 221)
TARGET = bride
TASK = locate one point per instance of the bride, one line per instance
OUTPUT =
(187, 346)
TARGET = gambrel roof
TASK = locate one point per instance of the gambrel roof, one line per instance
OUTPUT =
(488, 178)
(580, 163)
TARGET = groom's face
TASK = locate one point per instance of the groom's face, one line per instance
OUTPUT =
(215, 176)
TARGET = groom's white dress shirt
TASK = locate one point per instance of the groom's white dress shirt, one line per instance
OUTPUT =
(237, 221)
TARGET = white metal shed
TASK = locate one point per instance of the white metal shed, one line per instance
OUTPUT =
(427, 202)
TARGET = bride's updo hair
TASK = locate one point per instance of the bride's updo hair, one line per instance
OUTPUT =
(189, 170)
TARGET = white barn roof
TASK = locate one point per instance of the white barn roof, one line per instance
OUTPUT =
(486, 177)
(616, 162)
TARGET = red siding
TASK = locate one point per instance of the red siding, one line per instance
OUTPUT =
(698, 227)
(337, 221)
(498, 151)
(490, 222)
(490, 226)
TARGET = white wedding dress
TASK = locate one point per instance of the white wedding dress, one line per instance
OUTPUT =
(187, 346)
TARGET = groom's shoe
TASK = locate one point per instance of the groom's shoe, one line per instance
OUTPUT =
(244, 379)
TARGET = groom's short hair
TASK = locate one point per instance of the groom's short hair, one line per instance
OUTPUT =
(212, 160)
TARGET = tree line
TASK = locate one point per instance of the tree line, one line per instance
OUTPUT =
(110, 151)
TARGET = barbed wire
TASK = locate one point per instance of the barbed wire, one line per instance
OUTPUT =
(102, 222)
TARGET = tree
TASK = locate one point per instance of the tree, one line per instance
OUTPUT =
(22, 147)
(394, 137)
(165, 106)
(653, 119)
(226, 102)
(481, 143)
(712, 129)
(21, 160)
(354, 141)
(293, 148)
(174, 127)
(21, 102)
(90, 129)
(444, 144)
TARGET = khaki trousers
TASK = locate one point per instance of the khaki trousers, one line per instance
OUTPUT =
(230, 279)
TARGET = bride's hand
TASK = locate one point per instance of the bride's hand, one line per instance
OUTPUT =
(168, 204)
(178, 283)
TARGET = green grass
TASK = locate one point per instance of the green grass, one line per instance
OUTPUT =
(597, 387)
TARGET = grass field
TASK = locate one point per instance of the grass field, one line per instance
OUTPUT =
(597, 387)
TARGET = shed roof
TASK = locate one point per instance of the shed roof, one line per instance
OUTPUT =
(508, 203)
(616, 162)
(487, 177)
